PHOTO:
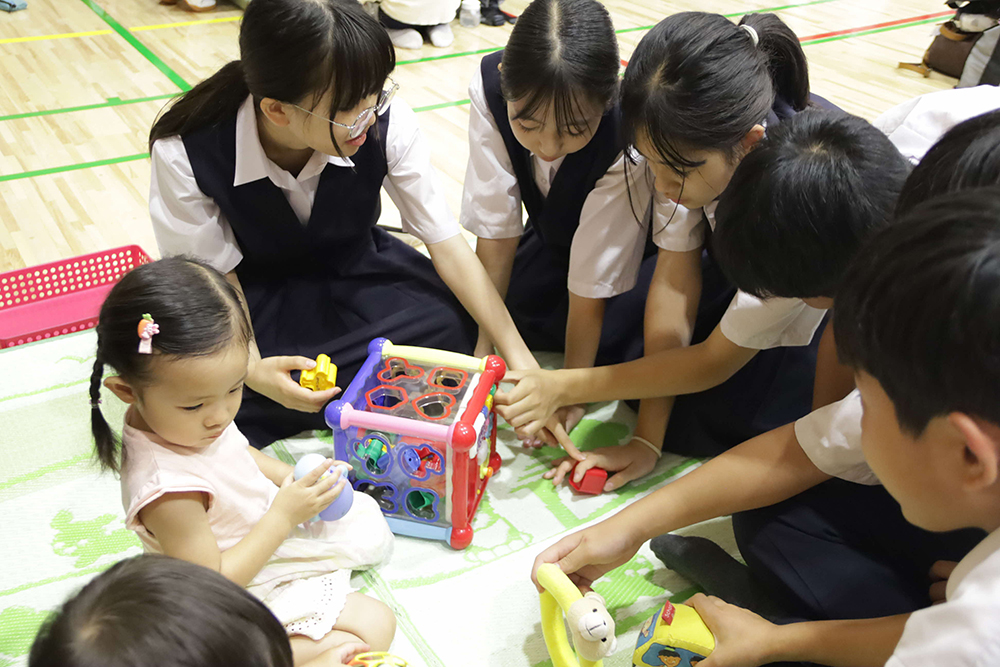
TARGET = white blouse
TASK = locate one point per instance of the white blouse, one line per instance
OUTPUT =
(608, 245)
(187, 221)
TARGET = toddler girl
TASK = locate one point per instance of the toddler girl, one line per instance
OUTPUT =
(178, 336)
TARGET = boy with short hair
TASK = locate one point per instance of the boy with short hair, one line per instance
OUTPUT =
(919, 321)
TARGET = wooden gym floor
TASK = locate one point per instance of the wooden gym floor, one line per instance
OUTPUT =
(82, 80)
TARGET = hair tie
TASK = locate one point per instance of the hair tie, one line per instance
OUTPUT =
(95, 404)
(753, 33)
(147, 329)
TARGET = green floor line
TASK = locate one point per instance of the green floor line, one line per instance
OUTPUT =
(112, 102)
(72, 167)
(733, 15)
(42, 472)
(139, 46)
(129, 158)
(52, 580)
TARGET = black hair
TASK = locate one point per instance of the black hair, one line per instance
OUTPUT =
(290, 50)
(558, 52)
(696, 81)
(801, 204)
(155, 611)
(967, 156)
(198, 313)
(920, 310)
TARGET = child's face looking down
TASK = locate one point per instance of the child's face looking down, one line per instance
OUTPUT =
(934, 477)
(544, 138)
(313, 131)
(192, 400)
(701, 185)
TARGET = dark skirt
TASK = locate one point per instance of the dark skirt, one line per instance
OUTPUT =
(772, 389)
(394, 292)
(538, 301)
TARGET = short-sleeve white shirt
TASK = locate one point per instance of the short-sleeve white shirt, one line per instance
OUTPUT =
(608, 245)
(965, 630)
(831, 438)
(187, 221)
(916, 125)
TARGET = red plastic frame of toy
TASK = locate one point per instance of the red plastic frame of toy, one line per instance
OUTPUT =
(448, 404)
(388, 367)
(368, 397)
(434, 371)
(464, 504)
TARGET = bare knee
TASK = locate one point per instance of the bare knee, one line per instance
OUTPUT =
(370, 619)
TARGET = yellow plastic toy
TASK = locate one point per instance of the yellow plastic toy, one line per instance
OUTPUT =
(322, 377)
(590, 624)
(376, 659)
(675, 637)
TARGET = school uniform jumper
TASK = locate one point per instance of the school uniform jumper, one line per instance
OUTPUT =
(328, 285)
(537, 296)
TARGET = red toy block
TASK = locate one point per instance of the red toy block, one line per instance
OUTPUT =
(592, 482)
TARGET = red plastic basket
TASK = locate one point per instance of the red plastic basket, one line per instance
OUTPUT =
(60, 297)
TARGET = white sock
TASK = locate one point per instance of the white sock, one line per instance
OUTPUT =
(407, 38)
(441, 35)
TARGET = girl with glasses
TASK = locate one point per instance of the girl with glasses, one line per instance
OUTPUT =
(271, 170)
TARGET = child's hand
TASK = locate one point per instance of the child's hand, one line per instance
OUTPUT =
(338, 656)
(271, 377)
(630, 462)
(940, 572)
(589, 554)
(532, 402)
(742, 638)
(568, 416)
(301, 500)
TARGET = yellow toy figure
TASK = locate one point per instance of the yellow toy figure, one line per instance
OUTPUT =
(590, 624)
(675, 637)
(322, 377)
(376, 659)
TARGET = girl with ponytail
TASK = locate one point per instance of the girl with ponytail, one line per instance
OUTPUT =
(177, 335)
(696, 97)
(271, 170)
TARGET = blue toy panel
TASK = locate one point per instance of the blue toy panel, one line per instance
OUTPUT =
(406, 476)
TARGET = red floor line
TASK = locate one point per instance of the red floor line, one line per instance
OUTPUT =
(851, 31)
(887, 24)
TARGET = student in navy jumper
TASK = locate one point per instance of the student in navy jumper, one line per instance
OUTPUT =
(271, 170)
(545, 132)
(696, 97)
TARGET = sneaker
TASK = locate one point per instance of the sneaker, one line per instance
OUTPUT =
(407, 38)
(441, 35)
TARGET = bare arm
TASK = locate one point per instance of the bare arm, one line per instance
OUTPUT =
(583, 331)
(273, 469)
(833, 380)
(180, 523)
(497, 257)
(760, 472)
(681, 370)
(462, 271)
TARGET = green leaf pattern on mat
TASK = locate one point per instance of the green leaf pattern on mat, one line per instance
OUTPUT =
(88, 541)
(20, 624)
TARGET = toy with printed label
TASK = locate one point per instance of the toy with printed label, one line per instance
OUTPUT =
(418, 427)
(590, 625)
(321, 377)
(592, 483)
(341, 505)
(676, 637)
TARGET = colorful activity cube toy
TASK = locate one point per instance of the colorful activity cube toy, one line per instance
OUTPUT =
(418, 427)
(675, 637)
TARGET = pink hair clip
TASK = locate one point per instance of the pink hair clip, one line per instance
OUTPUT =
(147, 329)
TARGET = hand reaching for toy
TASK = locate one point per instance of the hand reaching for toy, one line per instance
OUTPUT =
(532, 402)
(568, 415)
(301, 500)
(742, 638)
(589, 554)
(271, 377)
(630, 462)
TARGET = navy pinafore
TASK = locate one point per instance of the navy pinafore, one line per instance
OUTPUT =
(331, 285)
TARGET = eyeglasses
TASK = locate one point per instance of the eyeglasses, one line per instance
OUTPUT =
(360, 125)
(377, 659)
